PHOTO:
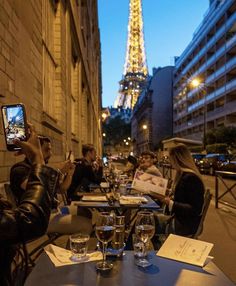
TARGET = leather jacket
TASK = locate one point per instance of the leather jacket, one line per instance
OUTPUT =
(19, 173)
(26, 222)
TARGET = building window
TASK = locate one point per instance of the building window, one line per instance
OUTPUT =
(49, 64)
(74, 96)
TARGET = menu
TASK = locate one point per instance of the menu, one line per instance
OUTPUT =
(185, 249)
(146, 183)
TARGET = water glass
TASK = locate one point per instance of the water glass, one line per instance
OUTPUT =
(79, 246)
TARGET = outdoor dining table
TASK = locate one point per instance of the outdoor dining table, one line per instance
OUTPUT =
(125, 272)
(149, 205)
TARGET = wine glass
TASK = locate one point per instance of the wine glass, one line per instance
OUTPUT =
(144, 229)
(105, 230)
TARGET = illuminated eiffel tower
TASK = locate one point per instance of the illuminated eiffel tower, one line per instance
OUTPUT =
(135, 70)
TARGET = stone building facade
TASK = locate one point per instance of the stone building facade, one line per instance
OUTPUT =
(152, 115)
(50, 61)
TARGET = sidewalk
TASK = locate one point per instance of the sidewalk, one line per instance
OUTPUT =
(220, 229)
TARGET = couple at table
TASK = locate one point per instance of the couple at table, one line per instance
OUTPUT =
(184, 202)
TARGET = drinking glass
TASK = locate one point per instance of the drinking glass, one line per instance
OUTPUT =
(105, 231)
(144, 229)
(78, 246)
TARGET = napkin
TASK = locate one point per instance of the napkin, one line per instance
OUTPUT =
(126, 200)
(61, 257)
(94, 198)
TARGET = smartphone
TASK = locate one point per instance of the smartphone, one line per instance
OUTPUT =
(14, 124)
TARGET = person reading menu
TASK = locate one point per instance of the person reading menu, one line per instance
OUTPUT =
(185, 201)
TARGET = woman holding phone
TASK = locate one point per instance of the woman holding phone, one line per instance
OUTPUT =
(30, 219)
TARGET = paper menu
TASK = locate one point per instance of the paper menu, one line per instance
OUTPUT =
(185, 249)
(146, 183)
(94, 198)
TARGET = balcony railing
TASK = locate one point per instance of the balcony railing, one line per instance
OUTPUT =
(206, 26)
(219, 92)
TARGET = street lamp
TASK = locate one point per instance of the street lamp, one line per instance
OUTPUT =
(104, 134)
(197, 83)
(144, 126)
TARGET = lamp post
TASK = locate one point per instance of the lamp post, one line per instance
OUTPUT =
(197, 83)
(146, 134)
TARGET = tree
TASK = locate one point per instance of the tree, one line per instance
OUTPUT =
(116, 130)
(222, 134)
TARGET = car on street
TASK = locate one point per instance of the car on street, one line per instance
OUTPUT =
(213, 162)
(229, 165)
(197, 157)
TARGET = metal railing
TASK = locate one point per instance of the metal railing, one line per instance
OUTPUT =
(220, 176)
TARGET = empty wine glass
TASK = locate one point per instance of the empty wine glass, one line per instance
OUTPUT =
(144, 229)
(105, 231)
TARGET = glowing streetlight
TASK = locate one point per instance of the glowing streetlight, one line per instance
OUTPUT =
(144, 127)
(195, 82)
(124, 140)
(127, 143)
(104, 134)
(129, 138)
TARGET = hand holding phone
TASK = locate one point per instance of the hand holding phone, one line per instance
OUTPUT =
(15, 125)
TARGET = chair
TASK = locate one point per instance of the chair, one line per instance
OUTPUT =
(206, 204)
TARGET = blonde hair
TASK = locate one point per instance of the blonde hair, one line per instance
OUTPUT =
(183, 161)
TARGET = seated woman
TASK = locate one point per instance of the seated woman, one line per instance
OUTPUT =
(186, 201)
(30, 219)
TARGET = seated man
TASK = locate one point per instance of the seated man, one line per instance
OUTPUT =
(30, 219)
(147, 163)
(86, 172)
(60, 223)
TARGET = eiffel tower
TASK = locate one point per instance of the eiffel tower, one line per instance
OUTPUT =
(135, 70)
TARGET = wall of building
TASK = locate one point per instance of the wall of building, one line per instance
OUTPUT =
(162, 119)
(50, 61)
(210, 57)
(152, 115)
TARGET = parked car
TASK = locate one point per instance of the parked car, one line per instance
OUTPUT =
(213, 162)
(197, 157)
(229, 165)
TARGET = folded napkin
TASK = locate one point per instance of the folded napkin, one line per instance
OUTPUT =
(94, 198)
(61, 257)
(124, 200)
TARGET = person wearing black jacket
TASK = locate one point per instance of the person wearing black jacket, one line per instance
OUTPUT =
(88, 171)
(185, 202)
(30, 219)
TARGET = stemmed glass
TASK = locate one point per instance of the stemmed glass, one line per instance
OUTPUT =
(144, 229)
(105, 230)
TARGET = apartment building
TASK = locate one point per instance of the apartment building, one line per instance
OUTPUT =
(205, 75)
(50, 61)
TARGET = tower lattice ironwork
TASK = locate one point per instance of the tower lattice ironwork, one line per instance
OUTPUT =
(135, 70)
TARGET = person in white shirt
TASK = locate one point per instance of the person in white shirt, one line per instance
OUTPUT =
(146, 160)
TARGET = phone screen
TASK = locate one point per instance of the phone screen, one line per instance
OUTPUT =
(14, 124)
